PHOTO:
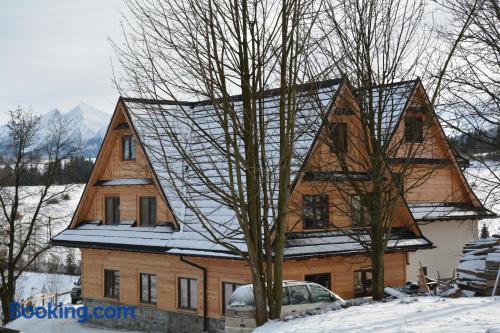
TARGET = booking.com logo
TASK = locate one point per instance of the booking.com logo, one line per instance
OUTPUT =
(82, 313)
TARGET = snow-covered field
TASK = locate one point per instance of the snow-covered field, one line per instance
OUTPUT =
(484, 180)
(33, 284)
(427, 314)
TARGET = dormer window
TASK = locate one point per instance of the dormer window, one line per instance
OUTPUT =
(338, 138)
(315, 211)
(128, 148)
(414, 130)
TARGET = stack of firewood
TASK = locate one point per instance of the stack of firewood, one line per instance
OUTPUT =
(479, 266)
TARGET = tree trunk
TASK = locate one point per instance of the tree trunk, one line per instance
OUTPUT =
(6, 298)
(259, 292)
(377, 259)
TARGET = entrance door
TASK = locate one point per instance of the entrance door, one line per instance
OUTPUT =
(363, 283)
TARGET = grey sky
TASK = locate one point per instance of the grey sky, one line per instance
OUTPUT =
(55, 53)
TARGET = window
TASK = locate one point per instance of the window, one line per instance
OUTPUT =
(148, 288)
(399, 182)
(227, 290)
(363, 283)
(147, 211)
(111, 283)
(128, 148)
(320, 294)
(414, 130)
(345, 111)
(188, 293)
(360, 214)
(112, 210)
(285, 296)
(323, 279)
(338, 132)
(299, 295)
(315, 210)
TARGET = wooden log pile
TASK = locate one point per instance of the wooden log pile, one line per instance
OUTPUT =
(479, 266)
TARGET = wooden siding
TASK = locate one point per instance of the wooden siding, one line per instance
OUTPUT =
(110, 165)
(169, 268)
(322, 159)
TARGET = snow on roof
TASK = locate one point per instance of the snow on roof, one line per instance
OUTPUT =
(124, 233)
(391, 99)
(125, 181)
(444, 211)
(164, 126)
(302, 244)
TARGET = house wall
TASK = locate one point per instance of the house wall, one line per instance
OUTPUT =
(168, 268)
(450, 238)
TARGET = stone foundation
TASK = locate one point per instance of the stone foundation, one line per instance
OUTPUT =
(151, 319)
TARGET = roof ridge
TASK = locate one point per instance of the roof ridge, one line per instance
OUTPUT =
(266, 93)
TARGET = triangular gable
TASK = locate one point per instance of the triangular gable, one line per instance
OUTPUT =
(119, 116)
(418, 88)
(343, 94)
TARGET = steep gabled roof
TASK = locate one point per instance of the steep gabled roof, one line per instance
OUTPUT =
(392, 100)
(161, 125)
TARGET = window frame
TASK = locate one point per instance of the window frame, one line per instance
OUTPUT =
(179, 293)
(149, 199)
(116, 209)
(413, 129)
(363, 213)
(334, 146)
(115, 287)
(235, 285)
(318, 205)
(128, 146)
(148, 301)
(328, 275)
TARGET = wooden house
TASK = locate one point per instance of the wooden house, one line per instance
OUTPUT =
(142, 246)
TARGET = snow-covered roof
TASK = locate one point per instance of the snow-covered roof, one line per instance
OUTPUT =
(164, 125)
(391, 99)
(447, 211)
(304, 244)
(164, 239)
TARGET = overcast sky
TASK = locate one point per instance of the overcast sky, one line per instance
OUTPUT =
(55, 53)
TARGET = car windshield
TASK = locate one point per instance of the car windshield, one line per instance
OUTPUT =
(242, 296)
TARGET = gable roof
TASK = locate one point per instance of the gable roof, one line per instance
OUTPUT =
(392, 100)
(161, 125)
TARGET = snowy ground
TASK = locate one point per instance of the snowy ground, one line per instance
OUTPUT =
(428, 314)
(33, 284)
(55, 326)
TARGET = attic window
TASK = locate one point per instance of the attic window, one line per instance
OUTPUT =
(128, 148)
(344, 111)
(122, 126)
(315, 211)
(338, 138)
(414, 130)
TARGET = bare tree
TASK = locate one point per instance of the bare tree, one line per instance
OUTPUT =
(27, 212)
(379, 44)
(210, 50)
(470, 101)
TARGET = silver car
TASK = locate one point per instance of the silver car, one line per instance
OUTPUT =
(299, 297)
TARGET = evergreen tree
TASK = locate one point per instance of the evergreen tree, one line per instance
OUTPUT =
(70, 263)
(484, 232)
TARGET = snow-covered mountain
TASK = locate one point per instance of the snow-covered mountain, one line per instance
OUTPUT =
(87, 123)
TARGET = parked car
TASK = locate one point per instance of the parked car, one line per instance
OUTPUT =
(76, 291)
(298, 297)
